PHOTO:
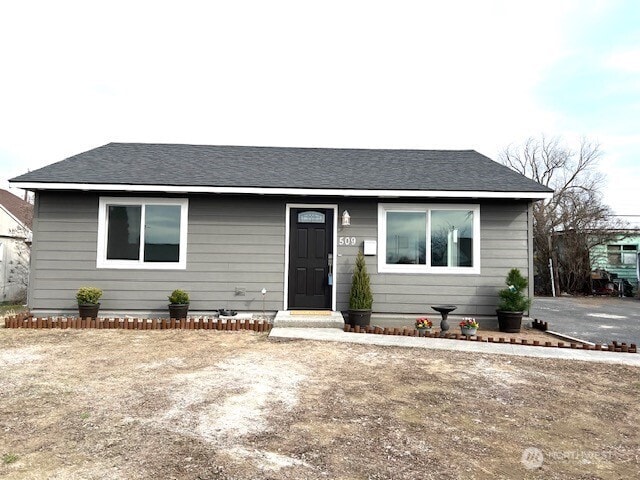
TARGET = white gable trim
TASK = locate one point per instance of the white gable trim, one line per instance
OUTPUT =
(328, 192)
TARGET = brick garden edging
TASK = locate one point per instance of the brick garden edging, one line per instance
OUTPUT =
(408, 332)
(540, 325)
(210, 323)
(200, 323)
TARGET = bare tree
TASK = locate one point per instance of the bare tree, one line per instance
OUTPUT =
(568, 225)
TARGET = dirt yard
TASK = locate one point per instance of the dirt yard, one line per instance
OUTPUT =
(95, 404)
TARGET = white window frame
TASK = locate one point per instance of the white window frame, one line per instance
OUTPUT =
(384, 208)
(140, 264)
(628, 256)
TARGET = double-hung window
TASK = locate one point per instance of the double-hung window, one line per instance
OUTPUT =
(143, 233)
(419, 238)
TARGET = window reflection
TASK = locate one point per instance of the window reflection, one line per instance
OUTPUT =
(406, 235)
(451, 238)
(162, 233)
(123, 238)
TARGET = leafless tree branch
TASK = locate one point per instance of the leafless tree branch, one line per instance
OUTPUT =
(574, 214)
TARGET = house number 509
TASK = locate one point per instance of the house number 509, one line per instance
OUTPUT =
(348, 241)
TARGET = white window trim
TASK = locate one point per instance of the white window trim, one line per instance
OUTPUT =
(101, 260)
(628, 256)
(383, 208)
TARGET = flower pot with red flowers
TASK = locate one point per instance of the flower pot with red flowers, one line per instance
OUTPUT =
(423, 325)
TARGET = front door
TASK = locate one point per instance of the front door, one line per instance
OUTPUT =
(310, 258)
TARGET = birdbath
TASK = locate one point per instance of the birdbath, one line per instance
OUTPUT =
(444, 310)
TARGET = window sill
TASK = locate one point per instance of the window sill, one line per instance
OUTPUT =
(430, 270)
(140, 266)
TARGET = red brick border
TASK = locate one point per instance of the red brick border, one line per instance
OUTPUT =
(190, 323)
(408, 332)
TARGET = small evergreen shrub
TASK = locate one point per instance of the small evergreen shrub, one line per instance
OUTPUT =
(360, 297)
(88, 295)
(179, 297)
(513, 298)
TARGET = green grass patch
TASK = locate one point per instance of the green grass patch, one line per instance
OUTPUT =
(8, 458)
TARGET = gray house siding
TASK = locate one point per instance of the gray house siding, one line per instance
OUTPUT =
(232, 242)
(239, 241)
(504, 242)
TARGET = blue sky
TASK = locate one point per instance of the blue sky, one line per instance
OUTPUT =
(467, 74)
(596, 86)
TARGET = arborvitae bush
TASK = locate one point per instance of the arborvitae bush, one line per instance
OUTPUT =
(361, 297)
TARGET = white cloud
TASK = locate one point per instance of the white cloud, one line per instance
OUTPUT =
(625, 61)
(622, 170)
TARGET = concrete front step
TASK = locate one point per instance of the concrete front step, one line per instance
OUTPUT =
(286, 319)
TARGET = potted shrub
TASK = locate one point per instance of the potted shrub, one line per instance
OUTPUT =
(88, 304)
(513, 302)
(360, 297)
(178, 304)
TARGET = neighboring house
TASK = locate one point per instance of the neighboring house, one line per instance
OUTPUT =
(139, 220)
(619, 256)
(16, 216)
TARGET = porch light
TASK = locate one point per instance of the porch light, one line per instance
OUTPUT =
(346, 218)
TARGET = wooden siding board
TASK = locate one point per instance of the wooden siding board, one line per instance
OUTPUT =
(233, 231)
(234, 249)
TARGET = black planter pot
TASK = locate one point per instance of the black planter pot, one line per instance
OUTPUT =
(361, 318)
(509, 322)
(88, 310)
(178, 310)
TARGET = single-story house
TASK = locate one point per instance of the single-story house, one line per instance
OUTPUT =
(16, 216)
(619, 256)
(226, 223)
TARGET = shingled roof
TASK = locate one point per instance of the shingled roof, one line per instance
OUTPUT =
(19, 208)
(191, 166)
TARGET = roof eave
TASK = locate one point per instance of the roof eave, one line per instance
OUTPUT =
(323, 192)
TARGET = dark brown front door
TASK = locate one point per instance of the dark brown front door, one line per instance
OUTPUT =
(310, 257)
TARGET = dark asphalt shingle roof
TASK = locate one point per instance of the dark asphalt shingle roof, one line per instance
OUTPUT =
(280, 167)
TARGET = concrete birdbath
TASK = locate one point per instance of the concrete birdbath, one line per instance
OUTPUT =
(444, 310)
